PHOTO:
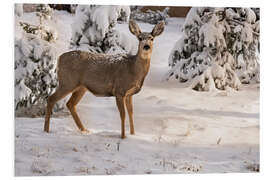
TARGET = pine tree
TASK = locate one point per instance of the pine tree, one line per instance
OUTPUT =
(94, 28)
(218, 49)
(35, 67)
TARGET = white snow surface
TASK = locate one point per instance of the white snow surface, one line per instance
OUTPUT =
(178, 130)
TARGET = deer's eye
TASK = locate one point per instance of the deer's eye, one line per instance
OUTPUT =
(140, 38)
(151, 39)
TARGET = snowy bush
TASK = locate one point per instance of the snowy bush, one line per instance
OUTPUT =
(218, 48)
(152, 17)
(93, 29)
(35, 67)
(35, 76)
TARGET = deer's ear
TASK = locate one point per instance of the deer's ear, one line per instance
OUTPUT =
(158, 29)
(134, 28)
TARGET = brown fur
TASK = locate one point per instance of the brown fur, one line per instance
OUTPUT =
(121, 76)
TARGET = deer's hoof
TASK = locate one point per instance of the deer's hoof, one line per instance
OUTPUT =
(85, 131)
(123, 136)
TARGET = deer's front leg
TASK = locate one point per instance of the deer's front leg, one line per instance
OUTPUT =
(121, 107)
(130, 113)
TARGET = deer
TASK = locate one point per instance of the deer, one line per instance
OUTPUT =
(104, 75)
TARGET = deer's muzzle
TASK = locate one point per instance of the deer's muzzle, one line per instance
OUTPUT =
(146, 47)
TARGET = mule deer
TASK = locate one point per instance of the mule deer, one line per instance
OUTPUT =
(120, 75)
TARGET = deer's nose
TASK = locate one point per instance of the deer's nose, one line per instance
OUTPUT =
(146, 47)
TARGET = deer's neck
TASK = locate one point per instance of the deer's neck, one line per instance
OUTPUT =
(143, 63)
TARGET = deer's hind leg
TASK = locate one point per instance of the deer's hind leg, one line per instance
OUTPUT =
(60, 93)
(71, 104)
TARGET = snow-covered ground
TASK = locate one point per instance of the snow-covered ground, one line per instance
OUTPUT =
(178, 130)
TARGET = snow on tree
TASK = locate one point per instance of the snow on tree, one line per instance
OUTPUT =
(44, 12)
(218, 49)
(152, 17)
(35, 67)
(94, 29)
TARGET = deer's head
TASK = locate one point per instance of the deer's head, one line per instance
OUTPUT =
(145, 38)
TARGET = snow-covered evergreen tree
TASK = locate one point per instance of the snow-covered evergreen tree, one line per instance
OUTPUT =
(93, 29)
(152, 17)
(218, 48)
(35, 67)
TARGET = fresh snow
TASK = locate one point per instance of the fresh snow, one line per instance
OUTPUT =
(178, 130)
